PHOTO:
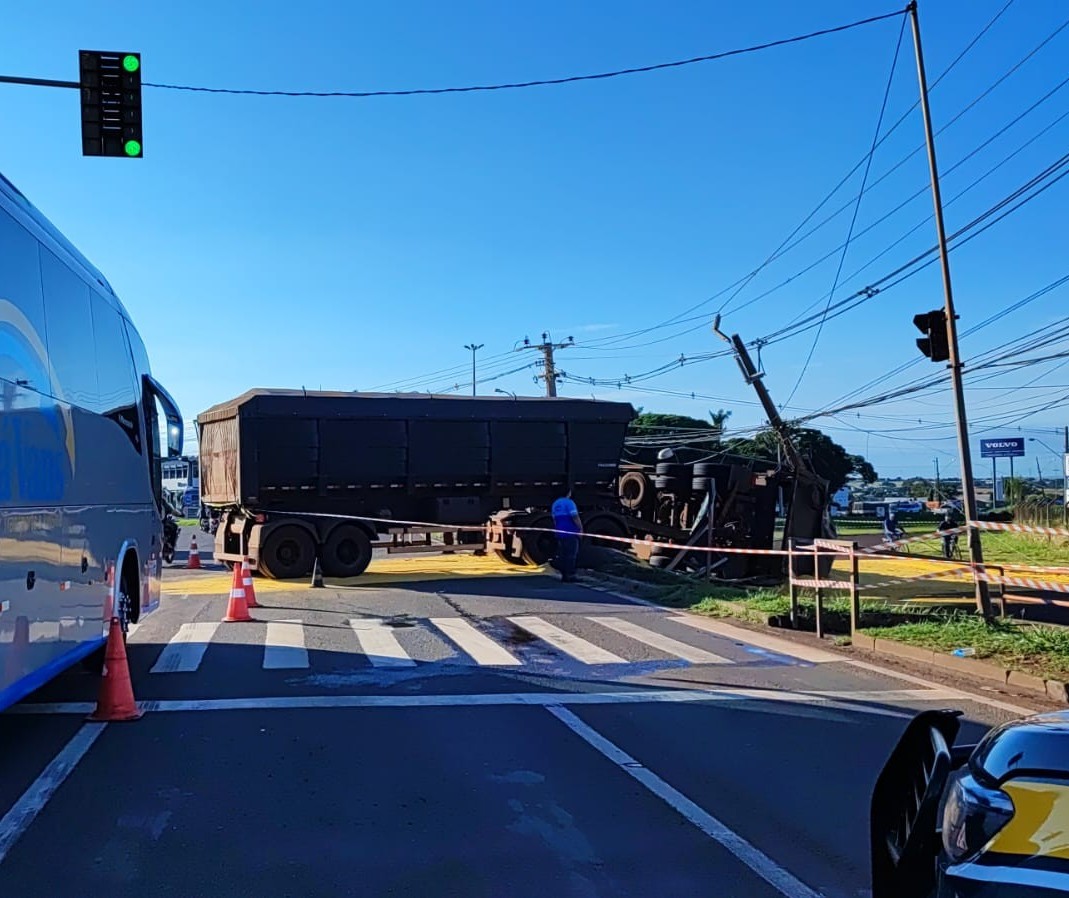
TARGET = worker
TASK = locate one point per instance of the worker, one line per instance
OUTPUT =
(569, 527)
(950, 540)
(891, 530)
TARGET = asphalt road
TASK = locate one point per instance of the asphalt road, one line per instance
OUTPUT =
(480, 735)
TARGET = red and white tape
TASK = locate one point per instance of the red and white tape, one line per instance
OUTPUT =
(1019, 528)
(1025, 582)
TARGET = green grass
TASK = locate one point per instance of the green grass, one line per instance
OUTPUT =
(846, 528)
(1033, 648)
(188, 522)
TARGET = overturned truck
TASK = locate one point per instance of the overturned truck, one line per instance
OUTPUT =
(299, 476)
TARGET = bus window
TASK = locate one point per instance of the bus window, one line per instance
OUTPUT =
(22, 313)
(116, 398)
(70, 333)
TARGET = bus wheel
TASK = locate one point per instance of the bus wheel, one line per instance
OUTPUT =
(94, 662)
(288, 552)
(347, 552)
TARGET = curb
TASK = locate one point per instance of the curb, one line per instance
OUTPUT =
(988, 670)
(1056, 690)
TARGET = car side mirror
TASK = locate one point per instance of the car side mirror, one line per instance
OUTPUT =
(905, 804)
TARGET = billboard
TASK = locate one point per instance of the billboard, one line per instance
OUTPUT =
(1008, 447)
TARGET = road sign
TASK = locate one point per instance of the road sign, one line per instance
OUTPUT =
(1009, 447)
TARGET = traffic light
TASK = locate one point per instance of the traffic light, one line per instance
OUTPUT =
(111, 103)
(934, 326)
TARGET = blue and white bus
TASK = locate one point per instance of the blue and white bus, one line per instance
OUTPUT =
(80, 455)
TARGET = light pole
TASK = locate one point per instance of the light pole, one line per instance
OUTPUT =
(505, 392)
(474, 347)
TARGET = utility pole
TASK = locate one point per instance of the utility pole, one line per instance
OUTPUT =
(968, 487)
(938, 494)
(549, 369)
(474, 349)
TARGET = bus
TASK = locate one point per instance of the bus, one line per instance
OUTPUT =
(180, 473)
(80, 456)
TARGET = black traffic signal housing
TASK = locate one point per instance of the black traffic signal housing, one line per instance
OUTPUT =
(934, 326)
(111, 103)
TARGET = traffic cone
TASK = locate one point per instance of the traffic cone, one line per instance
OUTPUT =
(246, 581)
(317, 575)
(193, 562)
(237, 609)
(116, 699)
(18, 662)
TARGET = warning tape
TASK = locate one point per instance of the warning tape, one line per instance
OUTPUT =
(891, 545)
(822, 584)
(1019, 528)
(1026, 582)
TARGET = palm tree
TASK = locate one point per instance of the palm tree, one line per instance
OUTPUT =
(719, 419)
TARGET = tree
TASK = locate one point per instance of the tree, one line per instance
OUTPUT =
(1014, 489)
(830, 460)
(918, 488)
(656, 424)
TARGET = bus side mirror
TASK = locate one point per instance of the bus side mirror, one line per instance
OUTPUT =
(172, 416)
(905, 801)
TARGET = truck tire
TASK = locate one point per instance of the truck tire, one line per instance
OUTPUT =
(606, 526)
(633, 489)
(672, 469)
(509, 558)
(660, 560)
(704, 469)
(288, 552)
(701, 484)
(670, 484)
(539, 548)
(347, 552)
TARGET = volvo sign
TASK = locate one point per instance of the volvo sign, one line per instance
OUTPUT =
(1009, 447)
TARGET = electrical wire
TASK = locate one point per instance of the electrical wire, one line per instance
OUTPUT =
(857, 208)
(544, 82)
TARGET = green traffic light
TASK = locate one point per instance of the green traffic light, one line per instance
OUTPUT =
(132, 148)
(131, 63)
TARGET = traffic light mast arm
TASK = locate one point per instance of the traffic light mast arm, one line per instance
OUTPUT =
(754, 379)
(38, 82)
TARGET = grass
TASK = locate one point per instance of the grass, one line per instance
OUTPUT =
(188, 522)
(1033, 648)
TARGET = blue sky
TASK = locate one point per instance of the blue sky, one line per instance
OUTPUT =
(360, 243)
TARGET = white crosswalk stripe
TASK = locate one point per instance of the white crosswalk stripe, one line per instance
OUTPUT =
(660, 641)
(284, 645)
(378, 642)
(566, 642)
(185, 651)
(482, 649)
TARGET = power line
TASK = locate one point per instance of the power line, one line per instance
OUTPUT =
(853, 218)
(544, 82)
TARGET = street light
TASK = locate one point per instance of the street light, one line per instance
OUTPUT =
(506, 392)
(474, 347)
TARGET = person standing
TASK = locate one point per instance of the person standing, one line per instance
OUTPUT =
(950, 540)
(569, 527)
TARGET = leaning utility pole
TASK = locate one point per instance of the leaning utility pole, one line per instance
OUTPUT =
(968, 488)
(549, 370)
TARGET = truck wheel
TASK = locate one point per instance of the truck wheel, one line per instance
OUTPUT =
(347, 552)
(538, 548)
(509, 558)
(660, 560)
(288, 552)
(705, 469)
(606, 527)
(701, 484)
(633, 489)
(672, 469)
(670, 484)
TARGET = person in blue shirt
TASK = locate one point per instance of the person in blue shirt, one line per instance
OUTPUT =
(569, 528)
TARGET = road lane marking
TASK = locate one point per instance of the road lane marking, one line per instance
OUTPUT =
(482, 649)
(761, 640)
(858, 701)
(17, 820)
(776, 876)
(566, 642)
(284, 645)
(660, 641)
(378, 642)
(186, 649)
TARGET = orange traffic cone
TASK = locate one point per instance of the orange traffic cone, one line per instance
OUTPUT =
(193, 563)
(116, 699)
(246, 581)
(18, 662)
(237, 609)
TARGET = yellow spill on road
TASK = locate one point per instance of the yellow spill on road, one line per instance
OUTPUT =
(381, 572)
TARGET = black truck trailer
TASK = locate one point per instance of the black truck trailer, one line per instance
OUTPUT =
(285, 468)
